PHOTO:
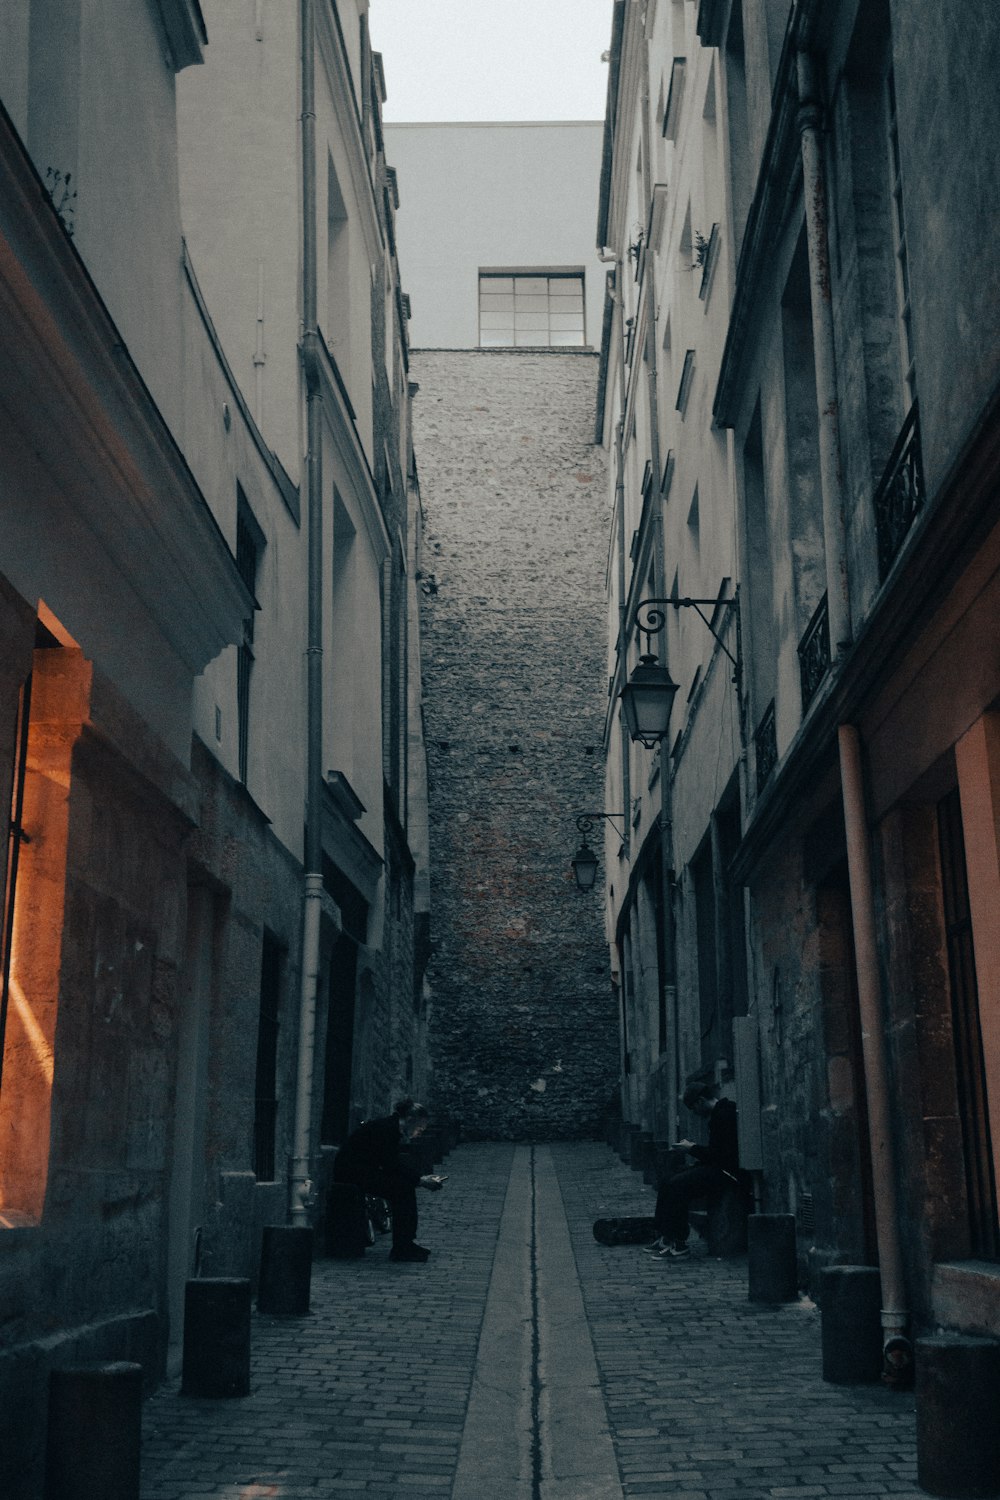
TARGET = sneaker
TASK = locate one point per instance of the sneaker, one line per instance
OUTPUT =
(658, 1246)
(415, 1253)
(675, 1252)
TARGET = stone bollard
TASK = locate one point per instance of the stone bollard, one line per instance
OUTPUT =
(639, 1149)
(625, 1141)
(94, 1432)
(957, 1385)
(286, 1253)
(850, 1303)
(216, 1359)
(771, 1259)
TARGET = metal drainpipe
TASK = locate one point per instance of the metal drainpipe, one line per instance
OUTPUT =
(897, 1354)
(817, 237)
(300, 1186)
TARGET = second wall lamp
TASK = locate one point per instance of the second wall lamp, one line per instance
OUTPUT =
(584, 861)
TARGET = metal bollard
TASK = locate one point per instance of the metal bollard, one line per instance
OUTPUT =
(851, 1325)
(957, 1386)
(94, 1432)
(771, 1258)
(216, 1359)
(286, 1253)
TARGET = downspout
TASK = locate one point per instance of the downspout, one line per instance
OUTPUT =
(896, 1347)
(817, 237)
(301, 1187)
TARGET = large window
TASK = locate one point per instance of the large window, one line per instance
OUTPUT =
(523, 310)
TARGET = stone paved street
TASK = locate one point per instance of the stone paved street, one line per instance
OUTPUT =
(384, 1390)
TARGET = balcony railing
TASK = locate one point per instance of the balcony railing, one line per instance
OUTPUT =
(814, 653)
(900, 494)
(765, 746)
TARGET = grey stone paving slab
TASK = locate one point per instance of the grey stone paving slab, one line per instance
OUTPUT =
(368, 1394)
(705, 1396)
(708, 1394)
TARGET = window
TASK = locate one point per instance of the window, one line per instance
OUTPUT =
(52, 705)
(249, 546)
(531, 311)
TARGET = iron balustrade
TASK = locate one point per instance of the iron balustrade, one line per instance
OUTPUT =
(814, 652)
(765, 746)
(900, 494)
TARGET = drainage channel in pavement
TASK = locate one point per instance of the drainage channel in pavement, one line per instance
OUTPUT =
(537, 1426)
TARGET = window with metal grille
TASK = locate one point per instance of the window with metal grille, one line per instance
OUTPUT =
(265, 1091)
(249, 546)
(527, 310)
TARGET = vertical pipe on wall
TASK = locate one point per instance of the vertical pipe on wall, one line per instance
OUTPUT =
(873, 1042)
(818, 243)
(301, 1183)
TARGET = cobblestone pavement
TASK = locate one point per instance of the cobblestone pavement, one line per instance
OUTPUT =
(706, 1395)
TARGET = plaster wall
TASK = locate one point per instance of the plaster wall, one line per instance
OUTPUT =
(225, 453)
(240, 179)
(491, 195)
(71, 89)
(951, 177)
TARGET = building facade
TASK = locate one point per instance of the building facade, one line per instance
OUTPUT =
(483, 202)
(799, 385)
(494, 230)
(161, 729)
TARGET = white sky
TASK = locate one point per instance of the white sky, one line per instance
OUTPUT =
(492, 59)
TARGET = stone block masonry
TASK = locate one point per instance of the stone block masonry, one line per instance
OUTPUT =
(522, 1027)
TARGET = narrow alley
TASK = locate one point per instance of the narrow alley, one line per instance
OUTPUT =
(499, 667)
(527, 1362)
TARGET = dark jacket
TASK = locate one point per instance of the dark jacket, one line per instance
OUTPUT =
(374, 1151)
(723, 1149)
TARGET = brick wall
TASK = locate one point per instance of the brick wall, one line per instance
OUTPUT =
(523, 1032)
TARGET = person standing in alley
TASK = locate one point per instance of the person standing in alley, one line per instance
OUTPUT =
(374, 1159)
(716, 1167)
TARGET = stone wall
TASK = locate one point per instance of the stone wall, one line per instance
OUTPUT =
(523, 1031)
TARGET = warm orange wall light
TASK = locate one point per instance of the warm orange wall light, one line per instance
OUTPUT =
(60, 696)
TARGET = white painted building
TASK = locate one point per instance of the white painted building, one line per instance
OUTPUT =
(157, 465)
(481, 204)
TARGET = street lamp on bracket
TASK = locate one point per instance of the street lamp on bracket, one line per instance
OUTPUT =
(648, 696)
(584, 861)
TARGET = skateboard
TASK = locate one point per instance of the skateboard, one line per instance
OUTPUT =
(634, 1231)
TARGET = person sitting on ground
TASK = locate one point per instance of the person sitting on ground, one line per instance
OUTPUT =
(374, 1158)
(717, 1166)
